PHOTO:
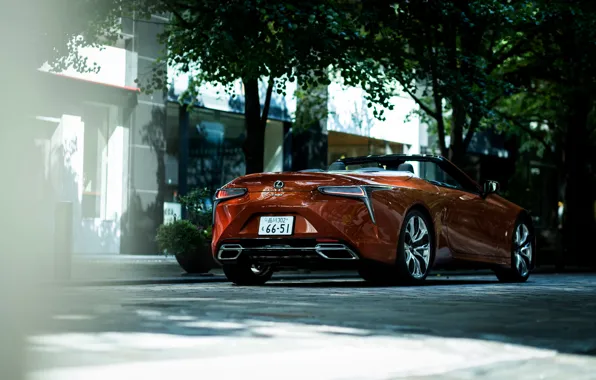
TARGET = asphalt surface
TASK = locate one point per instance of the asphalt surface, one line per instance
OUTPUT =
(453, 327)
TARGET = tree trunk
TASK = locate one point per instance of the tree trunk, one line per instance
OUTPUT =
(254, 145)
(578, 198)
(457, 151)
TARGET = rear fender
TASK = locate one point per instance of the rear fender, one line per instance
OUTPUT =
(392, 207)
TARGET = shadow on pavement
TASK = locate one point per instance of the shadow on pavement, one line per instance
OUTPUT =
(549, 312)
(363, 284)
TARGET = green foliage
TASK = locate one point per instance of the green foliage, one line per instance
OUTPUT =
(181, 237)
(557, 72)
(286, 41)
(311, 107)
(468, 64)
(450, 57)
(53, 31)
(186, 237)
(197, 211)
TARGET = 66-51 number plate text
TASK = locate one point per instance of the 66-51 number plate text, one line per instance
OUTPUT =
(276, 225)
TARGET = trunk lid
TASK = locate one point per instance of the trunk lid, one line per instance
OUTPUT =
(292, 181)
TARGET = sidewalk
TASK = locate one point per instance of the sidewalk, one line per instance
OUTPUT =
(90, 270)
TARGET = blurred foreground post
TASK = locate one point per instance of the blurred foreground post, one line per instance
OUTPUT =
(24, 220)
(63, 241)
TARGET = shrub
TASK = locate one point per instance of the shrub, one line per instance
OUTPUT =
(182, 237)
(197, 210)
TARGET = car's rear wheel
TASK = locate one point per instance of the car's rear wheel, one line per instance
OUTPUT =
(415, 248)
(414, 254)
(522, 255)
(248, 274)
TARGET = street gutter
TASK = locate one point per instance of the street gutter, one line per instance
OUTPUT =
(196, 279)
(218, 278)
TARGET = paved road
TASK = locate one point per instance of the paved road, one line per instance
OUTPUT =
(458, 327)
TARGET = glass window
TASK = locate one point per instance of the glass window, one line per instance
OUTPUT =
(215, 148)
(432, 172)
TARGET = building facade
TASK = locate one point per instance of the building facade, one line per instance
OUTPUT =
(120, 155)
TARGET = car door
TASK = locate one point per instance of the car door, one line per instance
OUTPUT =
(466, 217)
(468, 221)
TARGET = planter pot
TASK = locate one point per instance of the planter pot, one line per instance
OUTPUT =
(200, 261)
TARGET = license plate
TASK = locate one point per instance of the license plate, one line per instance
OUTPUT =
(276, 225)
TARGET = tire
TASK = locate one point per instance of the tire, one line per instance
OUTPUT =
(415, 257)
(245, 274)
(522, 255)
(403, 271)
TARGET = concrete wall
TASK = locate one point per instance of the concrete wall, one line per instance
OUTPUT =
(349, 113)
(137, 144)
(146, 184)
(116, 66)
(92, 180)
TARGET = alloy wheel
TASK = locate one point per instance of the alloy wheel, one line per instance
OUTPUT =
(522, 250)
(417, 247)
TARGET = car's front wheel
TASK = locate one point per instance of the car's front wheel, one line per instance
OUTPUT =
(522, 255)
(248, 274)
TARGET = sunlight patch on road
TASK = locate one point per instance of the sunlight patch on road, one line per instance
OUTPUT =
(73, 317)
(291, 351)
(180, 318)
(113, 342)
(213, 325)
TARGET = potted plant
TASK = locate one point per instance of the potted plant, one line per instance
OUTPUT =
(189, 240)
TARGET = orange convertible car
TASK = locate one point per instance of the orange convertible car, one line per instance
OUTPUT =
(391, 217)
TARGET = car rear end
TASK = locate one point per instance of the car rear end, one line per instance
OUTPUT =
(295, 220)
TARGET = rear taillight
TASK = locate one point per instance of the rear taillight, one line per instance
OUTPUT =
(364, 193)
(233, 192)
(344, 191)
(225, 194)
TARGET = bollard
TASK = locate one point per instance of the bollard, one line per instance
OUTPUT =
(63, 241)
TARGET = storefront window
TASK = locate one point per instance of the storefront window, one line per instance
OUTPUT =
(215, 148)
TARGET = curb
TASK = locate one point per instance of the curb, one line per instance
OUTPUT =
(193, 280)
(218, 278)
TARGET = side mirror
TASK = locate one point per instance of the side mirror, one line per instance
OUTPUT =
(490, 187)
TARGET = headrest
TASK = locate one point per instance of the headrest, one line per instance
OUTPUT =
(406, 168)
(337, 165)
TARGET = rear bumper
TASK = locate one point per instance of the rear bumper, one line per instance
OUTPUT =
(316, 216)
(289, 253)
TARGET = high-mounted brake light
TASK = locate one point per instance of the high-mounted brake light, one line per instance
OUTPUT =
(345, 191)
(229, 193)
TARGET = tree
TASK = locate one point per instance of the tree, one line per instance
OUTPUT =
(273, 41)
(560, 76)
(455, 54)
